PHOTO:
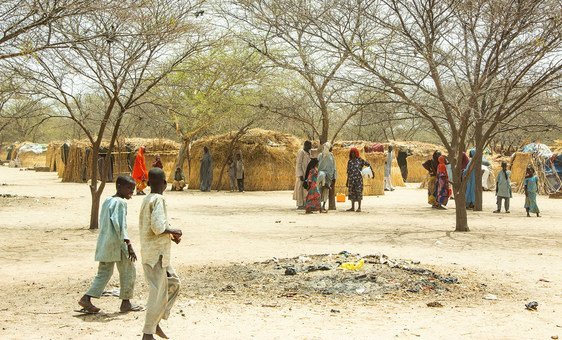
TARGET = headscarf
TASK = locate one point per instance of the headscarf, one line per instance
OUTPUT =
(313, 162)
(472, 152)
(139, 169)
(442, 168)
(465, 160)
(326, 149)
(354, 151)
(435, 161)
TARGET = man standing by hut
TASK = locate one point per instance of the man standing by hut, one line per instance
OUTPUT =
(403, 153)
(206, 170)
(303, 158)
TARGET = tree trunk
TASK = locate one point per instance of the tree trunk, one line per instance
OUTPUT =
(459, 189)
(461, 221)
(182, 156)
(95, 208)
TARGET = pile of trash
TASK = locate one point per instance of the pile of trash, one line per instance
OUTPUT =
(337, 275)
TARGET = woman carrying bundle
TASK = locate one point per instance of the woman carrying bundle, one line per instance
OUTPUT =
(355, 178)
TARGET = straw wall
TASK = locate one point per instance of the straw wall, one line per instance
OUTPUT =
(416, 172)
(78, 167)
(4, 152)
(269, 160)
(32, 159)
(519, 166)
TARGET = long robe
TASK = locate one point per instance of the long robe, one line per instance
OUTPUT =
(206, 172)
(387, 171)
(140, 174)
(503, 184)
(299, 193)
(442, 185)
(326, 168)
(532, 185)
(313, 193)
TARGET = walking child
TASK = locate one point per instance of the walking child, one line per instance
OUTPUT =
(156, 237)
(114, 249)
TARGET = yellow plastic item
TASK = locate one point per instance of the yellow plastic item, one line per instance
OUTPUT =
(352, 266)
(340, 198)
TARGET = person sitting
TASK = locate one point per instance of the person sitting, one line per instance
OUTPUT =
(179, 180)
(157, 163)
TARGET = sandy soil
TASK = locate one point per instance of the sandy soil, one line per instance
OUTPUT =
(46, 264)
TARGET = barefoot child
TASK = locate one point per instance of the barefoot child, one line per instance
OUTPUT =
(155, 238)
(114, 248)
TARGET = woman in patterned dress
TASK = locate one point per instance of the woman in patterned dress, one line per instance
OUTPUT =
(313, 194)
(442, 184)
(355, 178)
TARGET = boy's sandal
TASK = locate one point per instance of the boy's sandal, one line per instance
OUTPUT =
(134, 308)
(88, 310)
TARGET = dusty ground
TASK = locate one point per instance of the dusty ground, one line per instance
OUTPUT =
(46, 264)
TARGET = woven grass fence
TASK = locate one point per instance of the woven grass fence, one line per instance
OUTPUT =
(269, 159)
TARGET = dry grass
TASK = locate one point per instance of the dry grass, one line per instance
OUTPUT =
(32, 159)
(519, 166)
(269, 159)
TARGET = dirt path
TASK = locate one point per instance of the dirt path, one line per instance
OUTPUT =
(46, 263)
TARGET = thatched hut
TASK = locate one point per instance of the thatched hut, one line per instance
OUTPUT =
(57, 155)
(78, 164)
(30, 155)
(269, 159)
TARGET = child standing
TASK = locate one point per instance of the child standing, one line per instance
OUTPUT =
(503, 188)
(531, 183)
(114, 249)
(156, 237)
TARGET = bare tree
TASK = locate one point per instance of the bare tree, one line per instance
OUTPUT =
(138, 45)
(27, 26)
(286, 33)
(465, 67)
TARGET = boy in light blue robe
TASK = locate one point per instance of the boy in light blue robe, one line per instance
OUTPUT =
(114, 249)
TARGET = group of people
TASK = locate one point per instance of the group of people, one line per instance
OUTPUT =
(235, 172)
(114, 249)
(316, 176)
(439, 183)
